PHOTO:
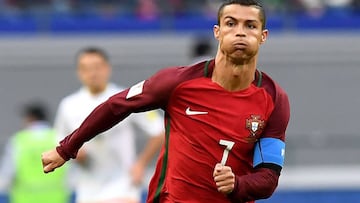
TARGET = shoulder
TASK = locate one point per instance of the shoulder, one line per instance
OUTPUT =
(155, 91)
(114, 88)
(111, 90)
(177, 74)
(162, 84)
(184, 71)
(280, 114)
(273, 88)
(71, 99)
(74, 95)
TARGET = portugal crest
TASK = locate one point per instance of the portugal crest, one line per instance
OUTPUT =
(255, 125)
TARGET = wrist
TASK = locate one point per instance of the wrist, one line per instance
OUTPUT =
(62, 153)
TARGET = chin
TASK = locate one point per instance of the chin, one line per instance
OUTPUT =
(238, 59)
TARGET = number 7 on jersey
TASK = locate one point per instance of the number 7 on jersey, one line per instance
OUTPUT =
(229, 145)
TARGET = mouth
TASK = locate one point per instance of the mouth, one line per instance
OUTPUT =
(240, 45)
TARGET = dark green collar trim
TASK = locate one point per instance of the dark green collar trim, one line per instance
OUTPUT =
(206, 69)
(259, 79)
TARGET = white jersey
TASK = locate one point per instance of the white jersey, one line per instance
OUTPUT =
(106, 175)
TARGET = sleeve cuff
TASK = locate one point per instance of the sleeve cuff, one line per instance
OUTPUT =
(62, 153)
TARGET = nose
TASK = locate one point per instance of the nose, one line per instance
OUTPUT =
(240, 31)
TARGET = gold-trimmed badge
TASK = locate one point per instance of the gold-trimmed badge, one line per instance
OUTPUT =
(255, 125)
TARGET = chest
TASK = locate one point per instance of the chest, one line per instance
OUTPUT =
(200, 107)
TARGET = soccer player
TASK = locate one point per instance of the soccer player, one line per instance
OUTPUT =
(106, 170)
(225, 120)
(19, 173)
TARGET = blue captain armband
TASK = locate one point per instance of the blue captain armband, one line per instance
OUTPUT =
(269, 151)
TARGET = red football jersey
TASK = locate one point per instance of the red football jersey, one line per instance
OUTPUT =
(205, 125)
(202, 120)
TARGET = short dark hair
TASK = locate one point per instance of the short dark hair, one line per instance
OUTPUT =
(35, 110)
(93, 50)
(252, 3)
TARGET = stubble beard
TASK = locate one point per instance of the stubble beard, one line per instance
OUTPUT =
(238, 58)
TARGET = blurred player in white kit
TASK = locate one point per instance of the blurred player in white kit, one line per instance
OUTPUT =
(107, 169)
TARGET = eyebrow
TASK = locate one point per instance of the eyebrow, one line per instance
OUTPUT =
(247, 20)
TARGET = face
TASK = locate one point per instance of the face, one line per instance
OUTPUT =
(93, 72)
(240, 33)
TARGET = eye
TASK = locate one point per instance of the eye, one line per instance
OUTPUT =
(251, 26)
(230, 23)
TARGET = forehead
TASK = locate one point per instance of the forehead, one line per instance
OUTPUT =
(90, 56)
(241, 12)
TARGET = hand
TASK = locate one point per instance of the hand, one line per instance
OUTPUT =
(137, 173)
(51, 160)
(224, 178)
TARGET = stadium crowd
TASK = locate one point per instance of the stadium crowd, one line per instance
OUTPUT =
(150, 9)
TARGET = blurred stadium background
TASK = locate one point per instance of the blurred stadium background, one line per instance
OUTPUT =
(312, 51)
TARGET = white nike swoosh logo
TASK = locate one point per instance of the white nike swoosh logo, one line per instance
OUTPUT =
(191, 113)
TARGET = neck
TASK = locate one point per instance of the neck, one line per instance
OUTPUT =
(96, 91)
(231, 76)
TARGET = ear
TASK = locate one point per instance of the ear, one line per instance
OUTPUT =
(216, 31)
(264, 35)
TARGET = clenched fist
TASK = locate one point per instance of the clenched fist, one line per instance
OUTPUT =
(224, 178)
(51, 160)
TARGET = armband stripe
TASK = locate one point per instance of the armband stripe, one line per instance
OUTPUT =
(269, 150)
